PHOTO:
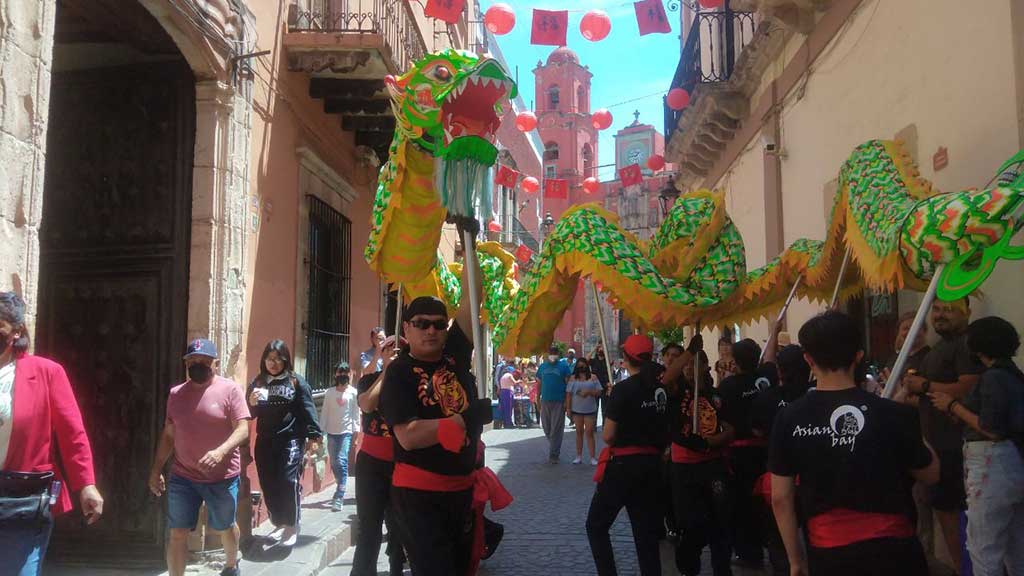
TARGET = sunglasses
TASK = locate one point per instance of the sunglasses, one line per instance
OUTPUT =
(424, 324)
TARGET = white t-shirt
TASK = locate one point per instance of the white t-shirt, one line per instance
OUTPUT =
(340, 412)
(6, 408)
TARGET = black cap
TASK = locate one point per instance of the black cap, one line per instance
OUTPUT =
(426, 305)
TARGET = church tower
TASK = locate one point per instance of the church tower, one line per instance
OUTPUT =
(570, 152)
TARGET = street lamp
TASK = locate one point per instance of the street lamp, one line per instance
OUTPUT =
(549, 223)
(667, 197)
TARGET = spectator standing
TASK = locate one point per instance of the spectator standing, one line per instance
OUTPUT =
(725, 366)
(856, 456)
(371, 360)
(599, 367)
(506, 402)
(339, 417)
(42, 441)
(286, 427)
(949, 367)
(993, 414)
(553, 375)
(207, 420)
(570, 358)
(581, 396)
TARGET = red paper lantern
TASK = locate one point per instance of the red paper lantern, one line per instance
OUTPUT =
(709, 4)
(601, 119)
(656, 162)
(493, 226)
(526, 121)
(678, 99)
(500, 19)
(591, 185)
(530, 185)
(596, 25)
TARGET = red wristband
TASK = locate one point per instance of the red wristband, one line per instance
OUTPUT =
(450, 435)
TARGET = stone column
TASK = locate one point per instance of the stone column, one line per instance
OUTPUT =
(219, 191)
(26, 58)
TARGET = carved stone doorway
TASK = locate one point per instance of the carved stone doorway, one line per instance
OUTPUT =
(114, 255)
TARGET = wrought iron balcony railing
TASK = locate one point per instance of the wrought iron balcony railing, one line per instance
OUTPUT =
(713, 45)
(390, 19)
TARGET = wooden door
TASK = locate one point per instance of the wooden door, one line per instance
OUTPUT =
(113, 295)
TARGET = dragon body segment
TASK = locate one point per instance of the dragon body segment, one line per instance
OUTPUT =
(897, 229)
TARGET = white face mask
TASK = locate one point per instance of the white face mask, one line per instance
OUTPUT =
(552, 358)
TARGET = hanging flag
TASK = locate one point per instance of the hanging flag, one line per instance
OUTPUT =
(445, 10)
(556, 188)
(549, 27)
(506, 176)
(651, 17)
(523, 254)
(631, 175)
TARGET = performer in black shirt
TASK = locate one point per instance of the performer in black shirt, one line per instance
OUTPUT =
(701, 483)
(374, 466)
(429, 400)
(856, 456)
(635, 430)
(747, 451)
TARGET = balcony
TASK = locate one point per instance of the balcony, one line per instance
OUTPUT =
(515, 235)
(348, 47)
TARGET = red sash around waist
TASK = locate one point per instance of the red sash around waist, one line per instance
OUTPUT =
(684, 455)
(753, 441)
(380, 447)
(608, 453)
(486, 488)
(841, 527)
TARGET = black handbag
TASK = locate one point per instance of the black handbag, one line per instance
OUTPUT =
(26, 498)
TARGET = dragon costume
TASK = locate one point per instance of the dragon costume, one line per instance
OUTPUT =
(897, 228)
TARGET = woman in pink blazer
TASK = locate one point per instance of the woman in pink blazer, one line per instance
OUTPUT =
(39, 419)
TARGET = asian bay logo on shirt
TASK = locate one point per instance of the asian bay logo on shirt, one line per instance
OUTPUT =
(660, 401)
(845, 423)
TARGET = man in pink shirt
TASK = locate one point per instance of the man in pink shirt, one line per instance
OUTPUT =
(207, 420)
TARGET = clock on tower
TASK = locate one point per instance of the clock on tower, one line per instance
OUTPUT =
(636, 154)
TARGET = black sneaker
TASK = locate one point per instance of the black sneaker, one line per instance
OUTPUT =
(232, 571)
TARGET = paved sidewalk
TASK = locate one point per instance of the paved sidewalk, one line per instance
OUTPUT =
(324, 536)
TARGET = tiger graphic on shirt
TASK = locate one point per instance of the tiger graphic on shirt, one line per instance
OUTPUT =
(441, 389)
(707, 415)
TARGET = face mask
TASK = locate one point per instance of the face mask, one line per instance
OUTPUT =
(341, 380)
(552, 358)
(200, 373)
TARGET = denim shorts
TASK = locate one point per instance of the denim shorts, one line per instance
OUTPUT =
(184, 498)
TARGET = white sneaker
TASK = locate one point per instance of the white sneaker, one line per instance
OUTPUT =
(577, 460)
(275, 534)
(593, 461)
(290, 536)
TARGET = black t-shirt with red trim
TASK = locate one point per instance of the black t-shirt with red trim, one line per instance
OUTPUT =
(639, 408)
(418, 390)
(373, 423)
(851, 449)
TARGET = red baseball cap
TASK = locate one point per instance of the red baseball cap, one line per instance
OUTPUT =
(637, 345)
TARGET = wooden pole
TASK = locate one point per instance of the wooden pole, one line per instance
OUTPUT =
(839, 281)
(469, 244)
(600, 326)
(782, 313)
(915, 329)
(398, 318)
(696, 383)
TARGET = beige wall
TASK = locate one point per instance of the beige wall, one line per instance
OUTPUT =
(887, 69)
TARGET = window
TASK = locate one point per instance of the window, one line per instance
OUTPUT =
(588, 161)
(550, 171)
(329, 265)
(581, 100)
(551, 151)
(553, 97)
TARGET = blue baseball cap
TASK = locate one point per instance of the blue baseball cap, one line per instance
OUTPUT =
(201, 347)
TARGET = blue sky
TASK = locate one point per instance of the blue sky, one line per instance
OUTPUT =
(625, 65)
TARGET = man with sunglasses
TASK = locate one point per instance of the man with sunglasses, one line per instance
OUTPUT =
(430, 402)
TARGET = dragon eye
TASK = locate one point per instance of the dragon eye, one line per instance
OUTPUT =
(442, 73)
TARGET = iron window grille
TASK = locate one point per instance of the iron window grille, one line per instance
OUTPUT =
(329, 263)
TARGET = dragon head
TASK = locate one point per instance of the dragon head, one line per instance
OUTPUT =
(451, 104)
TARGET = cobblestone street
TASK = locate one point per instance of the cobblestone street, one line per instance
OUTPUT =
(544, 527)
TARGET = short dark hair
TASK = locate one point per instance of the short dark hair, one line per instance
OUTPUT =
(832, 339)
(746, 354)
(725, 340)
(994, 337)
(342, 367)
(283, 353)
(12, 311)
(376, 331)
(672, 345)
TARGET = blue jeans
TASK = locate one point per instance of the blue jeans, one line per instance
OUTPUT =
(184, 497)
(22, 549)
(338, 446)
(995, 507)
